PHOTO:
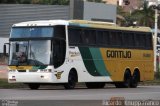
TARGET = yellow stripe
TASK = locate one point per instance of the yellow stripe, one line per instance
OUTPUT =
(20, 67)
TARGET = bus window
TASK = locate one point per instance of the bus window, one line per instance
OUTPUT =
(116, 38)
(59, 48)
(88, 37)
(128, 40)
(140, 40)
(59, 32)
(106, 38)
(92, 37)
(74, 35)
(99, 38)
(149, 41)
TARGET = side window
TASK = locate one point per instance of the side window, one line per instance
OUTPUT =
(140, 40)
(103, 38)
(85, 37)
(89, 37)
(59, 32)
(128, 39)
(75, 36)
(92, 37)
(149, 43)
(59, 52)
(100, 38)
(116, 38)
(106, 38)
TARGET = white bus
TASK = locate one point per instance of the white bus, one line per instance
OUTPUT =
(67, 52)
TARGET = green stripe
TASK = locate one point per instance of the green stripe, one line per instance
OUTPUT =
(98, 61)
(93, 61)
(88, 61)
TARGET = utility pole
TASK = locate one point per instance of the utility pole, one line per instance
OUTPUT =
(156, 7)
(155, 36)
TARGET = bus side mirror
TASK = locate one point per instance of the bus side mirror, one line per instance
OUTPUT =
(17, 47)
(4, 50)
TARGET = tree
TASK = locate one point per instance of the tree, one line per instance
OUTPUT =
(124, 18)
(144, 16)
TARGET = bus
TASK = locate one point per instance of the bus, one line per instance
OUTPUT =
(68, 52)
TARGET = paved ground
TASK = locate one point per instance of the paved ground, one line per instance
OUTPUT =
(79, 96)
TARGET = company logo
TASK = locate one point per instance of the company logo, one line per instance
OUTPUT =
(118, 54)
(58, 75)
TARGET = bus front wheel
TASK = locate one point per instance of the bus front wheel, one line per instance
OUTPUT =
(72, 80)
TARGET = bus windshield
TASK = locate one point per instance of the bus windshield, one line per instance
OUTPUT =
(31, 32)
(30, 52)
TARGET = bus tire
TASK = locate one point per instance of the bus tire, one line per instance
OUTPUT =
(72, 80)
(92, 85)
(127, 80)
(135, 79)
(34, 86)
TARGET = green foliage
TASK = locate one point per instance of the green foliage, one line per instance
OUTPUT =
(125, 21)
(144, 17)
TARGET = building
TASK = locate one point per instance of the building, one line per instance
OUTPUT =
(152, 2)
(134, 4)
(93, 11)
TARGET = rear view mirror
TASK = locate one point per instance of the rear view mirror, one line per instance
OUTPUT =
(4, 50)
(17, 47)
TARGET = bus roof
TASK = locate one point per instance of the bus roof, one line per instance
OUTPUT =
(41, 23)
(82, 23)
(108, 25)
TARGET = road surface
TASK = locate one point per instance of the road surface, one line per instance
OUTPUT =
(91, 95)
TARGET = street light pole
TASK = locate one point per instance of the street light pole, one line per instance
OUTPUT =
(156, 7)
(155, 37)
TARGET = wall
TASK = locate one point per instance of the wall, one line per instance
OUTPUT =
(15, 13)
(100, 11)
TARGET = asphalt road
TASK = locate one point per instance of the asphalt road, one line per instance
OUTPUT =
(81, 95)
